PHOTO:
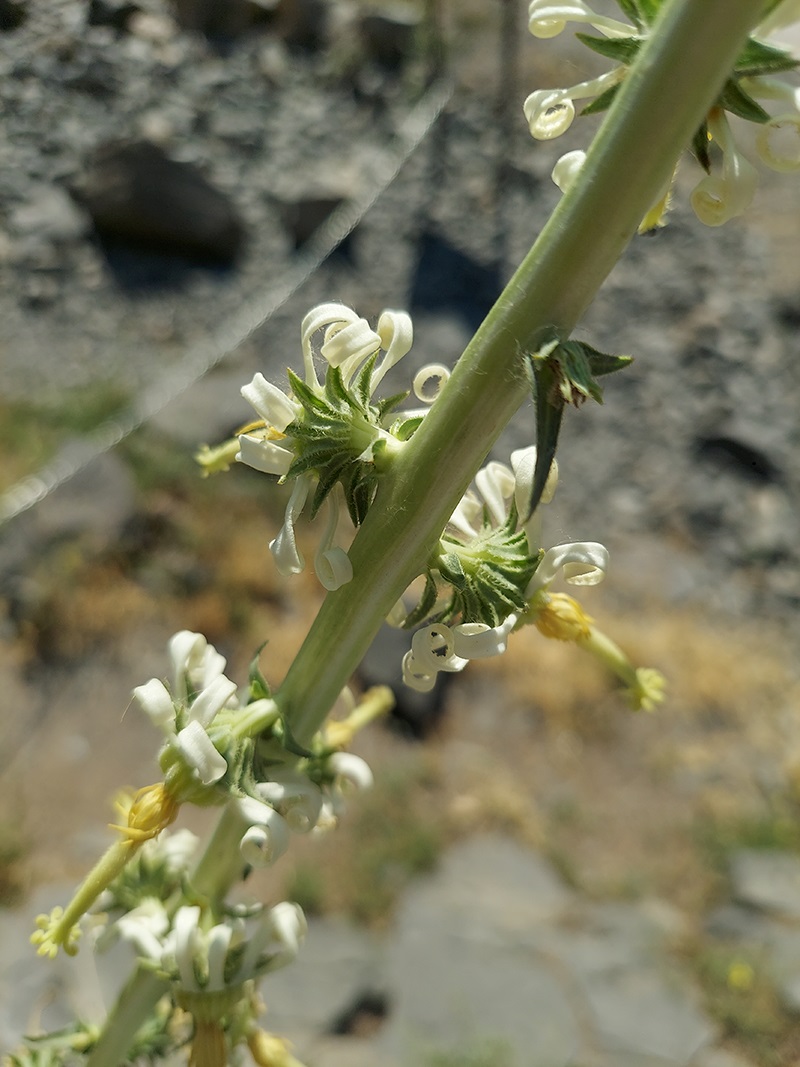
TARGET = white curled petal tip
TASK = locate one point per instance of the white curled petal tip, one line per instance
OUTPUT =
(778, 143)
(351, 769)
(429, 382)
(549, 113)
(287, 556)
(267, 837)
(396, 334)
(270, 402)
(186, 651)
(495, 483)
(349, 343)
(548, 18)
(715, 200)
(476, 640)
(296, 798)
(219, 940)
(333, 568)
(433, 649)
(289, 926)
(416, 678)
(212, 700)
(568, 168)
(262, 455)
(155, 701)
(580, 562)
(199, 753)
(466, 519)
(186, 930)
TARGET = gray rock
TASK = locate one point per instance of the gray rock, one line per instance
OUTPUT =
(49, 213)
(768, 880)
(639, 1013)
(137, 194)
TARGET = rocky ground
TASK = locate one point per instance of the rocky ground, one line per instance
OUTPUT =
(590, 928)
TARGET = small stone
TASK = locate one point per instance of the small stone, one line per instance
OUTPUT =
(768, 880)
(49, 213)
(152, 27)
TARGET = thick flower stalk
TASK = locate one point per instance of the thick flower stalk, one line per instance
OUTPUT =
(331, 438)
(730, 182)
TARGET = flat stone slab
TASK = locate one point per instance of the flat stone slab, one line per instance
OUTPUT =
(767, 879)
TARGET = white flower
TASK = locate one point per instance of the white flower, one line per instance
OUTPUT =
(275, 942)
(580, 563)
(350, 770)
(429, 382)
(778, 143)
(549, 112)
(331, 563)
(195, 663)
(198, 752)
(718, 198)
(567, 169)
(548, 18)
(296, 798)
(270, 402)
(263, 454)
(288, 557)
(144, 927)
(267, 836)
(348, 341)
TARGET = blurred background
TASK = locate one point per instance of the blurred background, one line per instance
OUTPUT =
(540, 877)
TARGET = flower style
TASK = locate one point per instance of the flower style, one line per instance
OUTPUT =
(718, 197)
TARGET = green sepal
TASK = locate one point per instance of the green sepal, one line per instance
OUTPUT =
(328, 477)
(758, 58)
(305, 395)
(734, 99)
(427, 602)
(290, 742)
(630, 9)
(360, 485)
(404, 429)
(621, 49)
(451, 570)
(391, 402)
(562, 373)
(361, 386)
(649, 10)
(259, 689)
(700, 144)
(603, 101)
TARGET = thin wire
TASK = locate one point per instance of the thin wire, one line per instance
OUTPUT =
(76, 454)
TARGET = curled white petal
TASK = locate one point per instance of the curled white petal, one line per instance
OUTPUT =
(466, 519)
(187, 651)
(289, 927)
(352, 769)
(581, 563)
(396, 335)
(548, 18)
(716, 199)
(155, 700)
(567, 169)
(267, 837)
(211, 700)
(429, 382)
(287, 555)
(270, 402)
(348, 344)
(185, 929)
(144, 927)
(199, 753)
(331, 563)
(778, 143)
(262, 455)
(476, 640)
(217, 945)
(321, 316)
(296, 798)
(433, 649)
(549, 113)
(415, 677)
(495, 482)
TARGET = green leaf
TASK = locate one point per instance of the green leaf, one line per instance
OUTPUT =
(577, 384)
(259, 689)
(759, 58)
(603, 101)
(621, 49)
(649, 10)
(390, 403)
(336, 392)
(734, 99)
(451, 569)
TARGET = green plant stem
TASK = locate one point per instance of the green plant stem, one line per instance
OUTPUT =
(674, 81)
